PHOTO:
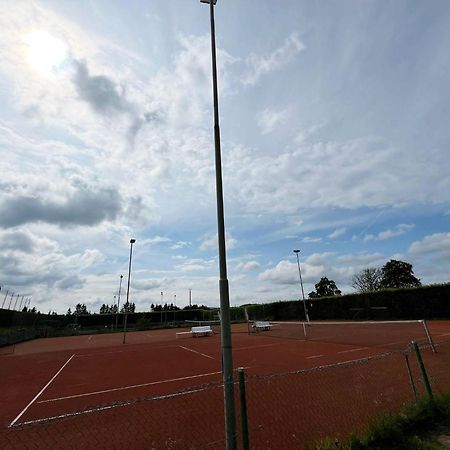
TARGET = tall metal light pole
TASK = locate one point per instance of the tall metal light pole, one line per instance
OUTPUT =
(301, 284)
(132, 241)
(118, 301)
(227, 353)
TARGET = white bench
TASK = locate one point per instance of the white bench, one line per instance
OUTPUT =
(202, 331)
(261, 326)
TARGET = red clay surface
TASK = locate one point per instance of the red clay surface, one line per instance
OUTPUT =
(100, 370)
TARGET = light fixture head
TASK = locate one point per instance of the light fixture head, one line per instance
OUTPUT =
(207, 1)
(132, 241)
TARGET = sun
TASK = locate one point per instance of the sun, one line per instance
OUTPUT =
(45, 52)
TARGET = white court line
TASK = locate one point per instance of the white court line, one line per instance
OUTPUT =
(194, 351)
(254, 346)
(129, 387)
(445, 334)
(41, 391)
(315, 356)
(103, 408)
(353, 350)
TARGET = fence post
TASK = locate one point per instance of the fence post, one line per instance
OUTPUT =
(423, 372)
(243, 402)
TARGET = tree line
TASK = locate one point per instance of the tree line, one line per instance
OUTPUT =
(394, 274)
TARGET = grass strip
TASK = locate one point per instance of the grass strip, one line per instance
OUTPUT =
(414, 427)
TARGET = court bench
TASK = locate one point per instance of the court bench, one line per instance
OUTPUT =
(261, 326)
(205, 330)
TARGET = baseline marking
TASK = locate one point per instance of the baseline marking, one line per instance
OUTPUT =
(254, 346)
(353, 350)
(40, 392)
(315, 356)
(195, 351)
(105, 391)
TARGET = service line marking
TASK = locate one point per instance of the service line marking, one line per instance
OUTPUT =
(445, 334)
(41, 391)
(315, 356)
(353, 350)
(195, 351)
(105, 391)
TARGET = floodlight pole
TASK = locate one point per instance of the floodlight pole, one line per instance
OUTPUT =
(301, 284)
(118, 301)
(132, 241)
(226, 343)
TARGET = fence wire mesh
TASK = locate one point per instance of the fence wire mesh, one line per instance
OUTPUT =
(285, 410)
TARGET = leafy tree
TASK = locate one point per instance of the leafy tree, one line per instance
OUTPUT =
(367, 280)
(325, 288)
(80, 309)
(69, 312)
(398, 274)
(128, 307)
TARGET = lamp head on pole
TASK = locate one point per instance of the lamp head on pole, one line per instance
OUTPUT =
(296, 251)
(132, 241)
(208, 1)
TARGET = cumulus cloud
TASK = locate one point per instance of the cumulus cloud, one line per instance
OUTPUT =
(42, 261)
(83, 207)
(247, 266)
(102, 94)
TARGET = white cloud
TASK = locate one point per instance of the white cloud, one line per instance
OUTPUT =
(437, 244)
(247, 266)
(179, 244)
(155, 240)
(337, 233)
(398, 230)
(310, 240)
(269, 119)
(210, 242)
(262, 65)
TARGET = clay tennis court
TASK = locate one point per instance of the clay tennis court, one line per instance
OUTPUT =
(93, 390)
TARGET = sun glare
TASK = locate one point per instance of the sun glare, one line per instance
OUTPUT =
(45, 52)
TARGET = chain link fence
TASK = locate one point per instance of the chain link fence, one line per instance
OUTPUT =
(285, 410)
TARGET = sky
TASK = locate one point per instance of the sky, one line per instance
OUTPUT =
(335, 138)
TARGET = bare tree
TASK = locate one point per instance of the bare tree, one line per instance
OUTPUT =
(367, 280)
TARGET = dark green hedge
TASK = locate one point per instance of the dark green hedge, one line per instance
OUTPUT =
(428, 302)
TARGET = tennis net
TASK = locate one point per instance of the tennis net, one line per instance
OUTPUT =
(389, 334)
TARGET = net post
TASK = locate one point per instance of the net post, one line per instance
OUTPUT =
(430, 340)
(244, 415)
(247, 319)
(423, 371)
(304, 330)
(411, 379)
